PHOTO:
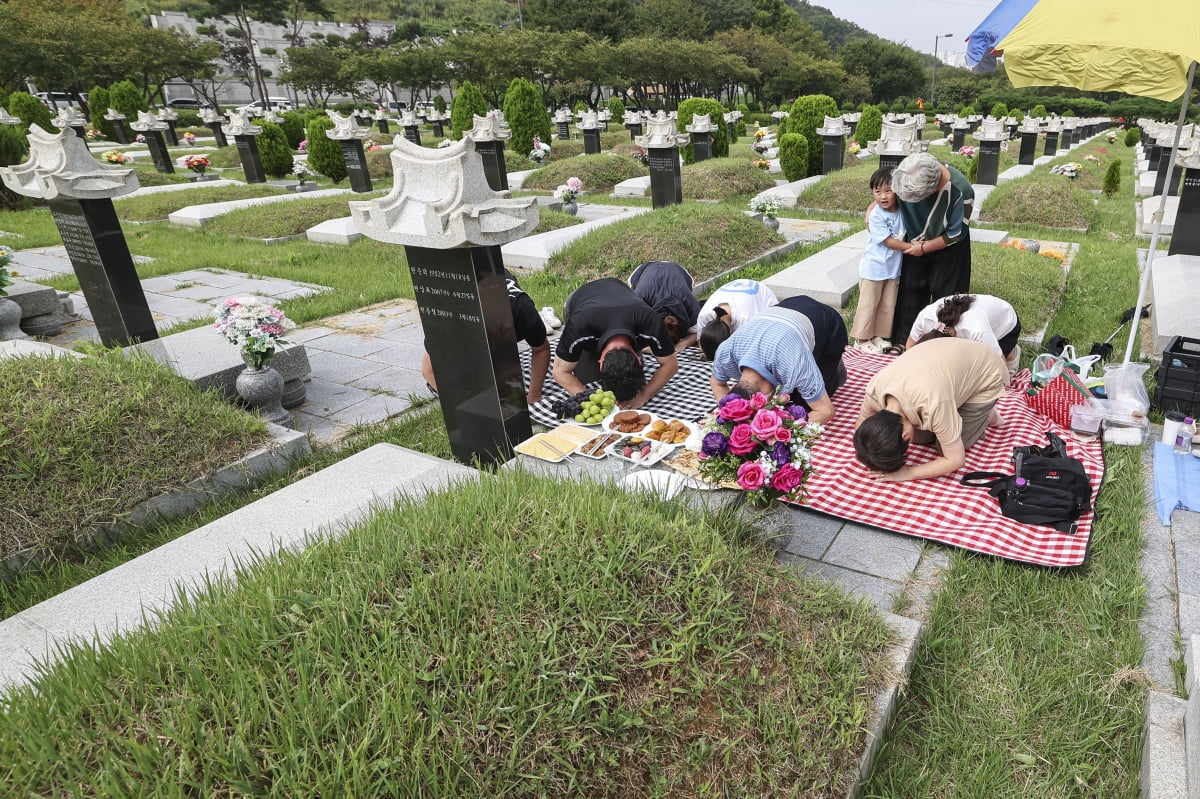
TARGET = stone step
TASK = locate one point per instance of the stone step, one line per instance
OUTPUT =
(534, 252)
(634, 187)
(829, 276)
(200, 215)
(125, 598)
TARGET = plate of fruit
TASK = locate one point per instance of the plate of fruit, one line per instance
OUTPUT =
(595, 407)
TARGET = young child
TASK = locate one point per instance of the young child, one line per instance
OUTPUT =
(879, 270)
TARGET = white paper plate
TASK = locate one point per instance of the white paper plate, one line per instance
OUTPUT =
(666, 485)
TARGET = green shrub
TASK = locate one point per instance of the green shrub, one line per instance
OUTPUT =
(616, 107)
(468, 102)
(274, 152)
(1068, 113)
(966, 111)
(870, 125)
(581, 107)
(973, 168)
(189, 119)
(897, 107)
(31, 111)
(807, 116)
(716, 111)
(1018, 115)
(3, 98)
(1112, 178)
(793, 156)
(379, 164)
(439, 103)
(911, 107)
(324, 154)
(849, 107)
(1038, 111)
(293, 127)
(128, 99)
(525, 113)
(12, 152)
(1132, 136)
(999, 110)
(99, 100)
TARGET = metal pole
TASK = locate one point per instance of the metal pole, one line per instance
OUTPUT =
(933, 75)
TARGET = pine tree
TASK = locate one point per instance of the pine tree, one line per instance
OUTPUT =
(324, 154)
(274, 152)
(467, 104)
(31, 111)
(793, 156)
(525, 113)
(128, 99)
(716, 112)
(870, 125)
(98, 102)
(1112, 178)
(807, 116)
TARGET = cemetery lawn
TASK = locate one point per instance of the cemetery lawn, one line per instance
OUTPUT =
(517, 636)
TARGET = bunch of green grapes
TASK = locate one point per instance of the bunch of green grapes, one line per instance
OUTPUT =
(593, 409)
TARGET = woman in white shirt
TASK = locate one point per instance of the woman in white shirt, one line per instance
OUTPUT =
(726, 310)
(978, 317)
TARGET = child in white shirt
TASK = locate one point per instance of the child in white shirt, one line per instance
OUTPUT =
(879, 269)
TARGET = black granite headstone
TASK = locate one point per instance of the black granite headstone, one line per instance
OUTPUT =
(946, 128)
(974, 123)
(219, 134)
(80, 131)
(1153, 157)
(635, 130)
(252, 166)
(1028, 148)
(462, 298)
(171, 135)
(702, 146)
(1012, 130)
(989, 163)
(158, 151)
(853, 126)
(591, 142)
(666, 182)
(959, 135)
(438, 130)
(1051, 142)
(833, 153)
(920, 132)
(890, 161)
(494, 168)
(363, 120)
(413, 133)
(383, 127)
(356, 165)
(100, 257)
(1166, 180)
(729, 132)
(564, 130)
(119, 130)
(1185, 238)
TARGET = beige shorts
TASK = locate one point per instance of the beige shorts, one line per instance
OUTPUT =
(975, 417)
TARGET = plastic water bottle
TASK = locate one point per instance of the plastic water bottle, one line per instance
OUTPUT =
(1183, 438)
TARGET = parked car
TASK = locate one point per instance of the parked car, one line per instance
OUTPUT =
(184, 102)
(277, 104)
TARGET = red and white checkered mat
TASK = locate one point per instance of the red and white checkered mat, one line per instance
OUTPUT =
(942, 509)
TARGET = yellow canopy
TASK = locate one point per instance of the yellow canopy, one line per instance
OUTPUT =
(1106, 45)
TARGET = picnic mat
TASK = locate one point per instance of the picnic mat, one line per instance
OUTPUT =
(939, 509)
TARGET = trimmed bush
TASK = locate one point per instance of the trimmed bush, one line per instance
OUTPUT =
(1112, 178)
(700, 105)
(616, 107)
(1018, 115)
(274, 151)
(807, 116)
(525, 113)
(999, 110)
(793, 156)
(849, 107)
(870, 125)
(324, 154)
(1038, 110)
(31, 111)
(468, 102)
(439, 103)
(128, 99)
(293, 127)
(12, 152)
(98, 102)
(1132, 136)
(581, 107)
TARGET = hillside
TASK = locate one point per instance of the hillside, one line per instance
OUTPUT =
(835, 30)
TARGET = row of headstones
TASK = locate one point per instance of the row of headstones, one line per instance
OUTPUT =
(1177, 174)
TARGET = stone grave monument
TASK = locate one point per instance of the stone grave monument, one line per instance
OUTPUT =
(152, 128)
(170, 116)
(833, 147)
(702, 130)
(79, 190)
(563, 120)
(436, 119)
(70, 117)
(604, 116)
(349, 134)
(489, 134)
(1029, 136)
(1185, 238)
(589, 123)
(1011, 125)
(412, 127)
(1166, 180)
(1053, 129)
(959, 130)
(989, 136)
(452, 226)
(216, 124)
(662, 145)
(1066, 139)
(896, 142)
(118, 125)
(633, 123)
(382, 121)
(245, 138)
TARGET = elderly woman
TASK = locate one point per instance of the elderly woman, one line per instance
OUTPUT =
(942, 393)
(935, 204)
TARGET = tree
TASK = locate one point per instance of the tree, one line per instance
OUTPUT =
(805, 75)
(467, 104)
(716, 113)
(870, 125)
(31, 111)
(670, 19)
(807, 115)
(525, 113)
(893, 70)
(324, 154)
(128, 99)
(274, 151)
(601, 18)
(319, 72)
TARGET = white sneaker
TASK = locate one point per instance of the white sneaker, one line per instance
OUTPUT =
(868, 346)
(551, 320)
(881, 343)
(1014, 363)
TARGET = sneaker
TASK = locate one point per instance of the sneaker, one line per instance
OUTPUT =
(869, 347)
(881, 343)
(552, 321)
(1014, 363)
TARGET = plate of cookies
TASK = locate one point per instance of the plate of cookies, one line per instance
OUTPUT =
(670, 431)
(620, 421)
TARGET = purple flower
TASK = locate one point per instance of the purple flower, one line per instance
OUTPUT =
(781, 453)
(715, 445)
(798, 412)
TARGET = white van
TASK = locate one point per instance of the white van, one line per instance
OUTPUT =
(277, 104)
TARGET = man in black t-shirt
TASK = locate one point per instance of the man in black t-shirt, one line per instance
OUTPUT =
(530, 328)
(605, 328)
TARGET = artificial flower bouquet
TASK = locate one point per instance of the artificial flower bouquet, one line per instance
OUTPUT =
(189, 138)
(540, 150)
(301, 171)
(92, 133)
(196, 163)
(762, 163)
(140, 138)
(966, 150)
(766, 204)
(5, 279)
(641, 155)
(569, 192)
(764, 444)
(1071, 169)
(853, 148)
(255, 326)
(115, 157)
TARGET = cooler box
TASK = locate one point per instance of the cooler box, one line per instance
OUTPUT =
(1178, 377)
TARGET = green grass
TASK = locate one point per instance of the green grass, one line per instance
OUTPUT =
(723, 179)
(599, 173)
(518, 637)
(157, 207)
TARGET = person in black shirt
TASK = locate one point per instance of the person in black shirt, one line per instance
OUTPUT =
(668, 288)
(605, 328)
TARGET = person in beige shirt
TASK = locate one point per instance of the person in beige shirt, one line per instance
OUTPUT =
(942, 393)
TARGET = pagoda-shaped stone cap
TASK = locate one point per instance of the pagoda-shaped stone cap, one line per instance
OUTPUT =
(604, 115)
(961, 123)
(1188, 159)
(380, 114)
(727, 118)
(563, 115)
(1029, 125)
(408, 119)
(852, 117)
(440, 199)
(209, 115)
(701, 123)
(60, 165)
(661, 133)
(7, 118)
(991, 130)
(1054, 125)
(240, 125)
(147, 122)
(834, 126)
(632, 118)
(437, 116)
(589, 120)
(780, 115)
(113, 115)
(345, 128)
(737, 115)
(488, 128)
(69, 117)
(270, 115)
(168, 114)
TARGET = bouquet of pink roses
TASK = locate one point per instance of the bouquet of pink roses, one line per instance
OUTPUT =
(764, 444)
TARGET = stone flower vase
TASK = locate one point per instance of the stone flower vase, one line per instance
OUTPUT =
(260, 387)
(771, 222)
(571, 207)
(10, 320)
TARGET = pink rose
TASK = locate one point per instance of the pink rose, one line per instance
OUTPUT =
(765, 425)
(740, 440)
(736, 409)
(784, 399)
(758, 401)
(787, 478)
(784, 435)
(751, 476)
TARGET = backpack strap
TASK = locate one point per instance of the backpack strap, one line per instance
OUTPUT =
(983, 479)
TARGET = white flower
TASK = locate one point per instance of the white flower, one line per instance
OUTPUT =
(766, 204)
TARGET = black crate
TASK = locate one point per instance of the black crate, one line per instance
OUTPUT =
(1179, 377)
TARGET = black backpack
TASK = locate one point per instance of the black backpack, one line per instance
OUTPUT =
(1046, 487)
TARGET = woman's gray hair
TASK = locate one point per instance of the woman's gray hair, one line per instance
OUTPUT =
(916, 177)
